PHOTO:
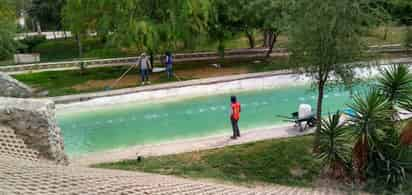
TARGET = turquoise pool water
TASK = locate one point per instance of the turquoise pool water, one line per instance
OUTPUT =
(135, 124)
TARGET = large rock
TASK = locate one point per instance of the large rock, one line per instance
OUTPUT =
(10, 87)
(34, 121)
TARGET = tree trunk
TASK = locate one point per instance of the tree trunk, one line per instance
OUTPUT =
(221, 51)
(79, 45)
(33, 25)
(321, 87)
(265, 39)
(251, 39)
(38, 27)
(385, 35)
(152, 60)
(274, 38)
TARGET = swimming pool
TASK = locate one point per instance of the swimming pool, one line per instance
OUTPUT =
(129, 124)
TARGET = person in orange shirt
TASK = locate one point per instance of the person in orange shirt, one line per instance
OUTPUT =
(235, 116)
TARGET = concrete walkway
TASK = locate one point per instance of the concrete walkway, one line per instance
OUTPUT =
(26, 177)
(22, 172)
(182, 146)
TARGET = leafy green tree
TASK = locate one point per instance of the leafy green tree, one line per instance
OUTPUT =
(7, 31)
(237, 16)
(273, 18)
(243, 16)
(79, 16)
(150, 25)
(47, 13)
(220, 24)
(400, 10)
(324, 39)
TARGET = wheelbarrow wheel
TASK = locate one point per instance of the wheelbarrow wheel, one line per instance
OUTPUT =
(312, 122)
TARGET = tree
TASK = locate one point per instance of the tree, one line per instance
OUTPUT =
(156, 25)
(325, 39)
(47, 13)
(237, 16)
(399, 10)
(242, 16)
(273, 19)
(7, 31)
(220, 27)
(79, 17)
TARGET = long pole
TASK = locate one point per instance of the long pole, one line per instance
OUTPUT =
(121, 77)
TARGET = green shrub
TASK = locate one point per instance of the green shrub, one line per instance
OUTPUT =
(32, 41)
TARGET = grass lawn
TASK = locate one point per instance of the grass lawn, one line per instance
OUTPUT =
(386, 35)
(282, 161)
(59, 83)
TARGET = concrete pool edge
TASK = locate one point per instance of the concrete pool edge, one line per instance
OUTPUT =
(89, 96)
(189, 145)
(198, 87)
(214, 80)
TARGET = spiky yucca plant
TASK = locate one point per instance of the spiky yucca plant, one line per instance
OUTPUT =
(396, 84)
(333, 148)
(373, 114)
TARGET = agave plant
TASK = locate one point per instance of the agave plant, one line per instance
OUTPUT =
(396, 84)
(333, 148)
(373, 115)
(389, 160)
(406, 104)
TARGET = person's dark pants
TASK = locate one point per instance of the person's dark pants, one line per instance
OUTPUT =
(169, 70)
(144, 73)
(235, 127)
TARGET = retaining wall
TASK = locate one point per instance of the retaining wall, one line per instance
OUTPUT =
(34, 122)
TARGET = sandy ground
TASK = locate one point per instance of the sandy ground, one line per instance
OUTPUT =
(189, 145)
(207, 72)
(134, 80)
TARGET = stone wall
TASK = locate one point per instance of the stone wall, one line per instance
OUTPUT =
(10, 87)
(34, 122)
(26, 58)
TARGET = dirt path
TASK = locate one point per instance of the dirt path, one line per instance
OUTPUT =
(133, 80)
